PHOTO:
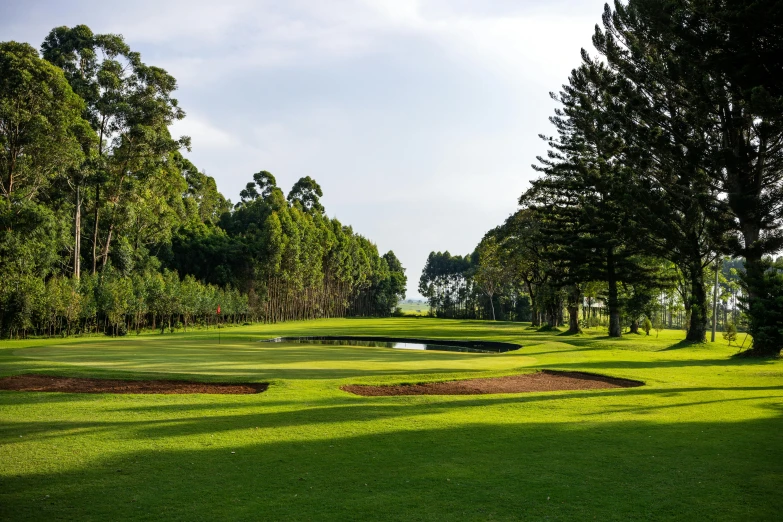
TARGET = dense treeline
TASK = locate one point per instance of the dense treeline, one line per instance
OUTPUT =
(289, 258)
(106, 226)
(450, 285)
(667, 157)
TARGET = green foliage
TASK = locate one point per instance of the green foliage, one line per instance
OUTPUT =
(730, 333)
(306, 193)
(764, 306)
(490, 272)
(647, 325)
(667, 150)
(88, 160)
(658, 326)
(40, 124)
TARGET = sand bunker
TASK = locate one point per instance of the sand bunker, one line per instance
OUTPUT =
(45, 383)
(546, 380)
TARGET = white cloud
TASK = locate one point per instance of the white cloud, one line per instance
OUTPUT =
(203, 134)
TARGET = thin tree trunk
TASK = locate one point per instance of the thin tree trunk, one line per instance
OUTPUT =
(715, 299)
(77, 242)
(95, 232)
(105, 253)
(614, 305)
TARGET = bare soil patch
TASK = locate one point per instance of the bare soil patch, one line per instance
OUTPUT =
(546, 380)
(45, 383)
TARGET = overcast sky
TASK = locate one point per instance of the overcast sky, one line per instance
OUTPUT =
(419, 119)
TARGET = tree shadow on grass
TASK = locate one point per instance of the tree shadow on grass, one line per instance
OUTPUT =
(569, 333)
(625, 364)
(218, 415)
(683, 344)
(474, 470)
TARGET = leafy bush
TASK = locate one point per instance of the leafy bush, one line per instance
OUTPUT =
(647, 325)
(731, 332)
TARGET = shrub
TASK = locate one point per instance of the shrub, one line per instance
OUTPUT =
(731, 332)
(647, 325)
(658, 326)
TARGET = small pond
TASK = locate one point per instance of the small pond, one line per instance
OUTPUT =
(401, 343)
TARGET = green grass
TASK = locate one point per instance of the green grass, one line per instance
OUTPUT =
(701, 441)
(414, 308)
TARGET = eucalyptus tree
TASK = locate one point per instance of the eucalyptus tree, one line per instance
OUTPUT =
(163, 235)
(452, 289)
(129, 105)
(523, 247)
(209, 204)
(490, 273)
(42, 135)
(306, 192)
(394, 288)
(40, 124)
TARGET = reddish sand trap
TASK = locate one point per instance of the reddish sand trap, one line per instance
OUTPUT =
(546, 380)
(44, 383)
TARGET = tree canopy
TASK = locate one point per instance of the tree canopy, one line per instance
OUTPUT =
(87, 126)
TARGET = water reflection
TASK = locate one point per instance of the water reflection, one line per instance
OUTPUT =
(402, 344)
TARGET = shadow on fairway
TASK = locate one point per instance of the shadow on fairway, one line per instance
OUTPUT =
(674, 363)
(226, 415)
(608, 471)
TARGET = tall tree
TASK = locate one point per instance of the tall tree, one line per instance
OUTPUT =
(725, 59)
(307, 193)
(42, 138)
(490, 272)
(40, 123)
(129, 104)
(585, 200)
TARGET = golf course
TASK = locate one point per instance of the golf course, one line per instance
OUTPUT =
(700, 439)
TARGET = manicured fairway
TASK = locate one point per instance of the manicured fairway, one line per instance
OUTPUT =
(700, 441)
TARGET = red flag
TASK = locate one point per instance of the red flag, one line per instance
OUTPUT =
(218, 310)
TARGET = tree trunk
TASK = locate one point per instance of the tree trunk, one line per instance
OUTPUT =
(614, 305)
(573, 319)
(105, 253)
(697, 327)
(77, 233)
(572, 306)
(95, 232)
(534, 320)
(635, 326)
(715, 300)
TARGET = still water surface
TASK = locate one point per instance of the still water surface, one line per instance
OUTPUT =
(402, 344)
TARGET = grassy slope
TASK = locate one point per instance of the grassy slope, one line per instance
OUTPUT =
(700, 442)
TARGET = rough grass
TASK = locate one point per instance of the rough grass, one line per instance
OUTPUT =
(701, 441)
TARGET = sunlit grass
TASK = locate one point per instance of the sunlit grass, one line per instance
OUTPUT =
(699, 441)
